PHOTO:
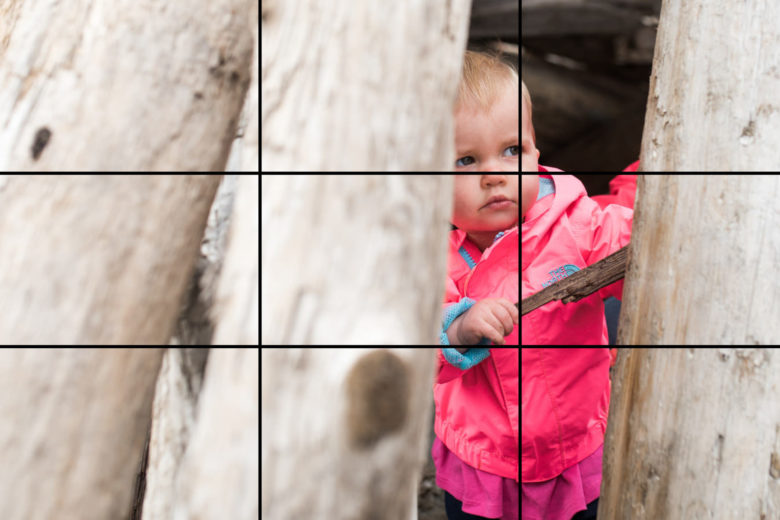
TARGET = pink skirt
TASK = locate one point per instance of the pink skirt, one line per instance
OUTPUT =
(562, 497)
(482, 493)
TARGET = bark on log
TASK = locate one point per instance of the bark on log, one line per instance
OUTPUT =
(582, 283)
(97, 259)
(74, 423)
(155, 85)
(354, 419)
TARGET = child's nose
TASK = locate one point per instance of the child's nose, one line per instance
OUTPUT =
(494, 165)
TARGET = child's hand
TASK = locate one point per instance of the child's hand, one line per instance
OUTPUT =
(492, 318)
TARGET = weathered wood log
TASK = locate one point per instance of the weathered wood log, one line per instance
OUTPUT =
(313, 93)
(97, 259)
(219, 473)
(174, 415)
(170, 103)
(703, 245)
(693, 433)
(722, 93)
(74, 424)
(238, 307)
(582, 283)
(360, 424)
(391, 233)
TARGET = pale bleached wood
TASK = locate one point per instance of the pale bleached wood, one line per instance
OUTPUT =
(701, 248)
(694, 434)
(354, 259)
(712, 101)
(74, 424)
(99, 259)
(174, 416)
(237, 306)
(366, 86)
(219, 473)
(146, 86)
(355, 420)
(245, 153)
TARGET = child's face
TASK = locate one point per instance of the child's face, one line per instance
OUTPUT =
(473, 213)
(530, 152)
(486, 140)
(530, 191)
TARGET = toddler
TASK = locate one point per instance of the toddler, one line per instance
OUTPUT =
(486, 116)
(530, 152)
(482, 272)
(565, 404)
(564, 231)
(477, 430)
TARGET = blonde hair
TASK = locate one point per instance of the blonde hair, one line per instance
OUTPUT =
(483, 78)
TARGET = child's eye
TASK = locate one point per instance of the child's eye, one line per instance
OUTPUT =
(513, 150)
(465, 161)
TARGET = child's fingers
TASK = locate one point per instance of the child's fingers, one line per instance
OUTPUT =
(494, 329)
(511, 309)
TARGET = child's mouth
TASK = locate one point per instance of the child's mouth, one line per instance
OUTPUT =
(499, 205)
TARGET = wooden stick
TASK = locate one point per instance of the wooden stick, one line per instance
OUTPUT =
(582, 283)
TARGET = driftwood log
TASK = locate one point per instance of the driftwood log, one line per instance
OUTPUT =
(582, 283)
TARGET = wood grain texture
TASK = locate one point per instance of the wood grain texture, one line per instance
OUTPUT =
(237, 305)
(703, 248)
(146, 86)
(582, 283)
(220, 469)
(712, 104)
(332, 389)
(99, 259)
(74, 424)
(367, 86)
(692, 433)
(354, 259)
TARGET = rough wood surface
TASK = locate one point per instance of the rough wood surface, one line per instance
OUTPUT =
(582, 283)
(153, 85)
(712, 104)
(73, 427)
(693, 433)
(219, 473)
(100, 259)
(340, 415)
(354, 259)
(368, 86)
(237, 305)
(698, 270)
(174, 416)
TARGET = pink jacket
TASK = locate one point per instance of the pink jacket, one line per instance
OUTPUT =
(565, 404)
(622, 191)
(548, 169)
(494, 274)
(477, 414)
(563, 233)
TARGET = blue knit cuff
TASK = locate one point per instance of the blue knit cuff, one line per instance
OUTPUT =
(473, 356)
(450, 314)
